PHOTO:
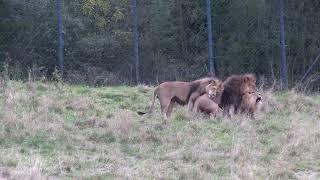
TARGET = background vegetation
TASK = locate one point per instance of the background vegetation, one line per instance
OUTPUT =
(173, 38)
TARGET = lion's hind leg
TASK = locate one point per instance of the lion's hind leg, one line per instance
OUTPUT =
(165, 103)
(170, 108)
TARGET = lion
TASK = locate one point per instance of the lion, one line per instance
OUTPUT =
(182, 93)
(235, 87)
(208, 103)
(215, 90)
(250, 103)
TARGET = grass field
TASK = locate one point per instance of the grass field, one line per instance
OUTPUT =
(55, 130)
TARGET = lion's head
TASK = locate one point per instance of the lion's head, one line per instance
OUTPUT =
(249, 84)
(215, 89)
(251, 101)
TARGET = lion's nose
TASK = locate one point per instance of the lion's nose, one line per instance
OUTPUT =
(213, 94)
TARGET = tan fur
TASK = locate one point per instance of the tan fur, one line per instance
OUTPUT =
(206, 105)
(250, 103)
(234, 87)
(183, 93)
(215, 90)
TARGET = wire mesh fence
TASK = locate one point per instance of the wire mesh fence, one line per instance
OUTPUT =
(173, 39)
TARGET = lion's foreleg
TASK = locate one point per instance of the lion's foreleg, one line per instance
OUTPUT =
(195, 108)
(226, 111)
(191, 101)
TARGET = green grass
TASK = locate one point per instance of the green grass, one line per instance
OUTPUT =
(71, 131)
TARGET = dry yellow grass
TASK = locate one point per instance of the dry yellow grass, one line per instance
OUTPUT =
(59, 130)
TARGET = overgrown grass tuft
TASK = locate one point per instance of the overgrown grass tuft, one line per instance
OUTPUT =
(60, 130)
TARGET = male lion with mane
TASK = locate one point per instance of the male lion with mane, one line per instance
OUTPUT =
(250, 103)
(235, 87)
(179, 92)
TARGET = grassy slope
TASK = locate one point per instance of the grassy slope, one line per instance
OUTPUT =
(67, 131)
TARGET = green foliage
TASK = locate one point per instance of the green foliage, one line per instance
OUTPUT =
(98, 10)
(56, 76)
(173, 38)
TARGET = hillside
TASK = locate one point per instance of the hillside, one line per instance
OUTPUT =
(60, 130)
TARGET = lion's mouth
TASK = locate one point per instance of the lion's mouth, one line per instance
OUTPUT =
(259, 99)
(211, 94)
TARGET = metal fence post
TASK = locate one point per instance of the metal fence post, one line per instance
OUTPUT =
(210, 41)
(284, 68)
(135, 39)
(60, 35)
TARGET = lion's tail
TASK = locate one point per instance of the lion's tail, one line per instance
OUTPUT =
(155, 93)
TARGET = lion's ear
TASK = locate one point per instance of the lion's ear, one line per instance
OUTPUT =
(249, 78)
(214, 82)
(246, 78)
